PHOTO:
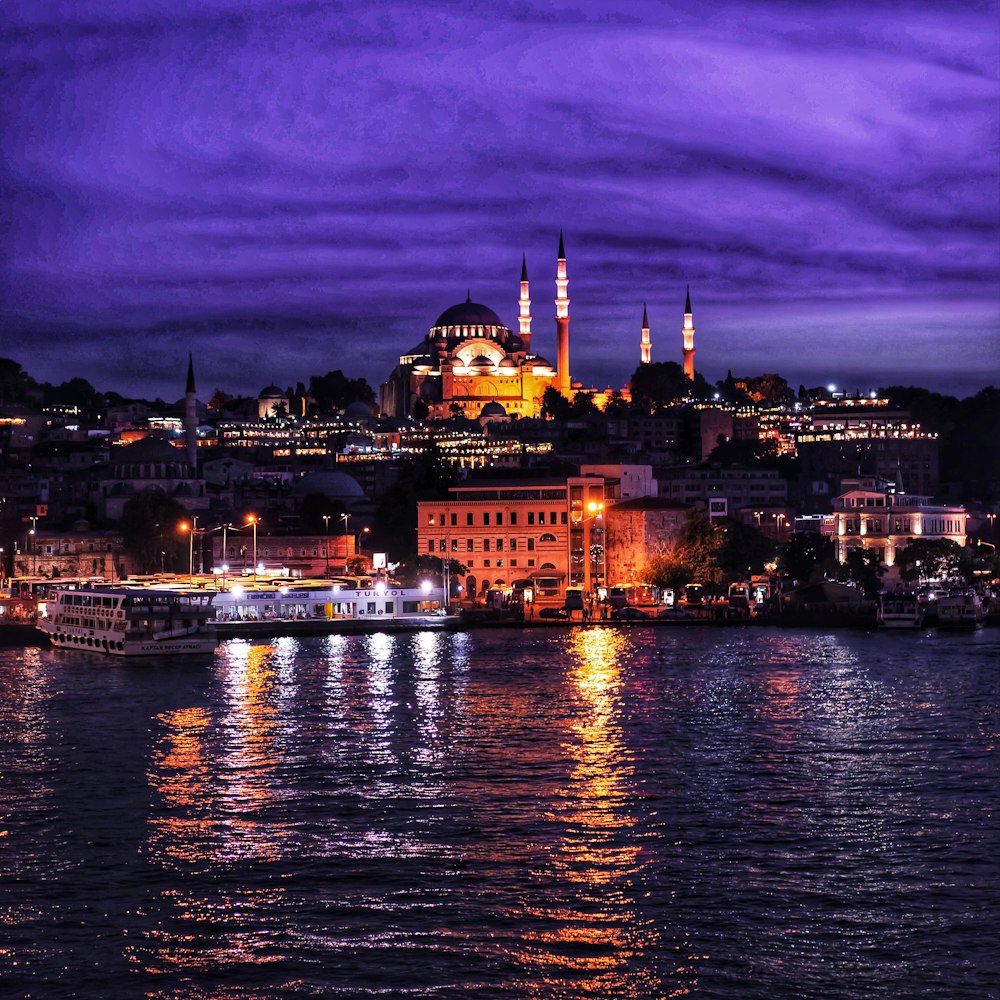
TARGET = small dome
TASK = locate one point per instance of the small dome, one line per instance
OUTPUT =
(331, 484)
(481, 361)
(507, 363)
(272, 392)
(148, 451)
(493, 409)
(358, 412)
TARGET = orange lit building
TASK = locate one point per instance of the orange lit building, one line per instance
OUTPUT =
(533, 535)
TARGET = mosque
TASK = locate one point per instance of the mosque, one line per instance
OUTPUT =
(469, 360)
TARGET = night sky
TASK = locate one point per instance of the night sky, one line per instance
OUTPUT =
(288, 188)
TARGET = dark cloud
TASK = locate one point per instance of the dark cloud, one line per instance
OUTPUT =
(306, 186)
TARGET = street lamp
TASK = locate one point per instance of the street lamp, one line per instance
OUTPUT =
(326, 542)
(758, 514)
(345, 518)
(252, 520)
(192, 529)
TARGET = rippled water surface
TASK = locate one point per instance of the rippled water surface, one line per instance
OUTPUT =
(561, 814)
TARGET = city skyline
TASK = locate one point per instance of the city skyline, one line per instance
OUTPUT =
(290, 189)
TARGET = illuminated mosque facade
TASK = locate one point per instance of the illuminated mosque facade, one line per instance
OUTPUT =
(471, 363)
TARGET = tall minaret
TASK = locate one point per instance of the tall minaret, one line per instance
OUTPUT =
(688, 332)
(191, 419)
(645, 345)
(562, 323)
(524, 308)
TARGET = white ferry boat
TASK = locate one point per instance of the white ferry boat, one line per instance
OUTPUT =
(129, 622)
(961, 611)
(900, 611)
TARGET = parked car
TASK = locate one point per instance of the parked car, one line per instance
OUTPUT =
(553, 613)
(629, 615)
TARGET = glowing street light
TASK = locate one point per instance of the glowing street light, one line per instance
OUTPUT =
(326, 542)
(252, 520)
(192, 530)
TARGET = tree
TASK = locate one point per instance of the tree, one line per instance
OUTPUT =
(698, 544)
(929, 559)
(744, 550)
(768, 389)
(150, 527)
(666, 570)
(335, 391)
(555, 406)
(616, 405)
(659, 384)
(864, 567)
(583, 405)
(806, 555)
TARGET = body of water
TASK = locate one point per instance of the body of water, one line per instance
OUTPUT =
(568, 813)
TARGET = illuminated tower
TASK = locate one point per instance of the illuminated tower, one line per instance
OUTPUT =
(562, 382)
(645, 345)
(524, 309)
(191, 419)
(688, 337)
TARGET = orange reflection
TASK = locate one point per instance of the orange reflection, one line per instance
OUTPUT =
(179, 775)
(212, 780)
(597, 938)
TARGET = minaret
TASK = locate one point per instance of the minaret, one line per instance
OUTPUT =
(191, 419)
(562, 382)
(524, 308)
(645, 345)
(688, 332)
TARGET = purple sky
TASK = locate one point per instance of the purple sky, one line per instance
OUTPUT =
(288, 188)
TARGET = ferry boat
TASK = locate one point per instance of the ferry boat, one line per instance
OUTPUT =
(129, 622)
(900, 611)
(961, 611)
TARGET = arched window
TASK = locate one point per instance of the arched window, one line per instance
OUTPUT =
(547, 537)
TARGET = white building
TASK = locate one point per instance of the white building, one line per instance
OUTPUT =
(872, 515)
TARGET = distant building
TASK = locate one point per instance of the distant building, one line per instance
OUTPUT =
(870, 514)
(738, 486)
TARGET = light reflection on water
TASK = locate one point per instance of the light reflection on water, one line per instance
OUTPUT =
(600, 812)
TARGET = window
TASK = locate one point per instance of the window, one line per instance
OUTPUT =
(454, 545)
(486, 545)
(499, 545)
(499, 517)
(499, 564)
(486, 563)
(468, 545)
(531, 562)
(454, 520)
(430, 544)
(513, 545)
(486, 518)
(531, 545)
(547, 537)
(531, 517)
(389, 607)
(468, 519)
(513, 517)
(564, 517)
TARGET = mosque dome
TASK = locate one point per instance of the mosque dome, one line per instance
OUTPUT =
(272, 392)
(468, 313)
(493, 409)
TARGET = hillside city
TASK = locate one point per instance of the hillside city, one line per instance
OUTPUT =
(672, 481)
